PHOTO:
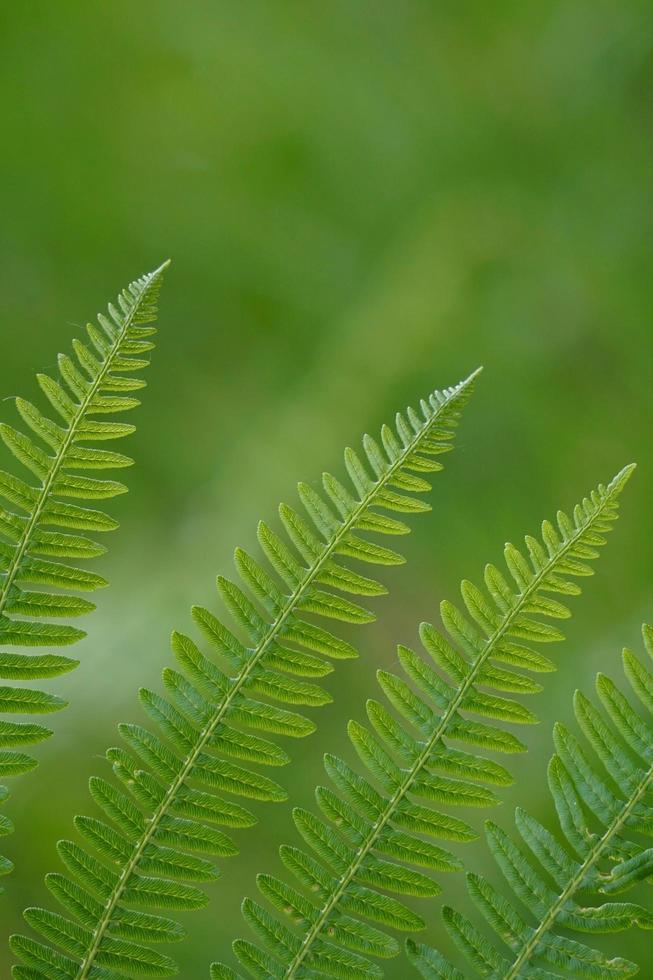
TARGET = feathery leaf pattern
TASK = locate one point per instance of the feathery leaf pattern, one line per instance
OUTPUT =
(147, 853)
(98, 380)
(368, 825)
(604, 805)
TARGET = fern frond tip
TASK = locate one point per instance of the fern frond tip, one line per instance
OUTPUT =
(619, 481)
(162, 268)
(466, 385)
(474, 375)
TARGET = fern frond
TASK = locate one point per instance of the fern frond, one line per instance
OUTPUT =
(604, 805)
(146, 853)
(369, 840)
(97, 381)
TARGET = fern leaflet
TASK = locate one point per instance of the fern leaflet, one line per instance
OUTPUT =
(602, 863)
(99, 380)
(144, 856)
(350, 871)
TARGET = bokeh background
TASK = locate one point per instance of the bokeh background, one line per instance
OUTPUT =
(363, 201)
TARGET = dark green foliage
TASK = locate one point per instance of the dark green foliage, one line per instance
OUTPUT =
(146, 848)
(376, 831)
(37, 517)
(605, 812)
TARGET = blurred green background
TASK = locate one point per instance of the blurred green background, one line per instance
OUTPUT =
(363, 201)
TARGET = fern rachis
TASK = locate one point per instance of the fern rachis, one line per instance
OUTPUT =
(366, 817)
(99, 380)
(578, 881)
(203, 700)
(596, 863)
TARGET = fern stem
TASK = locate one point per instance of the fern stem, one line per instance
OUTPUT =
(440, 731)
(275, 628)
(59, 459)
(530, 948)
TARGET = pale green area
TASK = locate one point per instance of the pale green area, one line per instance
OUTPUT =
(362, 201)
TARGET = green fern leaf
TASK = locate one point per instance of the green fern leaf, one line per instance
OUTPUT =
(604, 809)
(140, 857)
(56, 454)
(372, 822)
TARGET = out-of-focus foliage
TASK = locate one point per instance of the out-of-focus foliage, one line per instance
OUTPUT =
(359, 198)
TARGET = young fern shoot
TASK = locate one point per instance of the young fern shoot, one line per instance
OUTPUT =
(605, 808)
(144, 856)
(98, 381)
(368, 821)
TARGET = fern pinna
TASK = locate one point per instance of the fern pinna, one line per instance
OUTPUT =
(98, 381)
(144, 856)
(603, 806)
(368, 822)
